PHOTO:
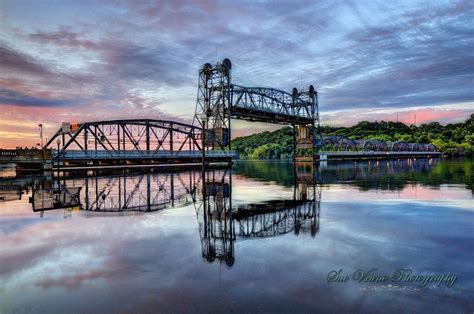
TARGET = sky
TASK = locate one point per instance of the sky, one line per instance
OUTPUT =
(78, 61)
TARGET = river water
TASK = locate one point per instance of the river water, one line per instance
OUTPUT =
(261, 237)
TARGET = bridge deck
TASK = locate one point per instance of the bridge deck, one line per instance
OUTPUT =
(142, 155)
(268, 116)
(78, 158)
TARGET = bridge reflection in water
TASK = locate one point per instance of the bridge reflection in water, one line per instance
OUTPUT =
(118, 193)
(209, 192)
(221, 223)
(144, 192)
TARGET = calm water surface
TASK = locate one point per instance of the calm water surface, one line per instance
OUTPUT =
(261, 237)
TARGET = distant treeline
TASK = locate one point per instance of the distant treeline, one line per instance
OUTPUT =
(452, 139)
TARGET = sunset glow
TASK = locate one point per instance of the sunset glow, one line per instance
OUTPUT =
(104, 60)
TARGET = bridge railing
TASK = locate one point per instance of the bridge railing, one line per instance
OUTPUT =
(369, 153)
(25, 153)
(7, 153)
(291, 112)
(134, 154)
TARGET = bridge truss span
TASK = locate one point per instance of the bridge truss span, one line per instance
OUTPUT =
(219, 101)
(125, 135)
(270, 105)
(129, 142)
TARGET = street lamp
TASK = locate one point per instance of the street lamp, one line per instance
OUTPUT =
(41, 134)
(58, 142)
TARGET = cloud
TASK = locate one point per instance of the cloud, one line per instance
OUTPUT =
(12, 97)
(444, 114)
(128, 56)
(14, 62)
(159, 65)
(410, 61)
(63, 37)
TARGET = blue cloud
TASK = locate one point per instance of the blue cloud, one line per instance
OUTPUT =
(12, 97)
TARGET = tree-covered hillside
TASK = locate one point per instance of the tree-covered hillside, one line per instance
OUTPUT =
(451, 139)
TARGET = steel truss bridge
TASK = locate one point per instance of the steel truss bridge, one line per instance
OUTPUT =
(219, 101)
(119, 142)
(127, 141)
(273, 105)
(208, 139)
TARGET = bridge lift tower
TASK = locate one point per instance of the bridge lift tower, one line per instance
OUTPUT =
(219, 101)
(213, 106)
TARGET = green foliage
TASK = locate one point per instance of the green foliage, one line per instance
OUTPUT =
(452, 139)
(265, 145)
(266, 151)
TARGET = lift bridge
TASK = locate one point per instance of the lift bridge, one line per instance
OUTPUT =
(138, 141)
(219, 101)
(208, 138)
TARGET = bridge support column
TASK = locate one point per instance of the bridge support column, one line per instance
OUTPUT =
(307, 137)
(303, 143)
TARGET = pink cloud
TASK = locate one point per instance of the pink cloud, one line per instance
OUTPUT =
(19, 125)
(407, 116)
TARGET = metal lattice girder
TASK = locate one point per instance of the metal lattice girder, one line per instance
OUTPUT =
(218, 101)
(277, 218)
(271, 105)
(140, 192)
(142, 135)
(342, 143)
